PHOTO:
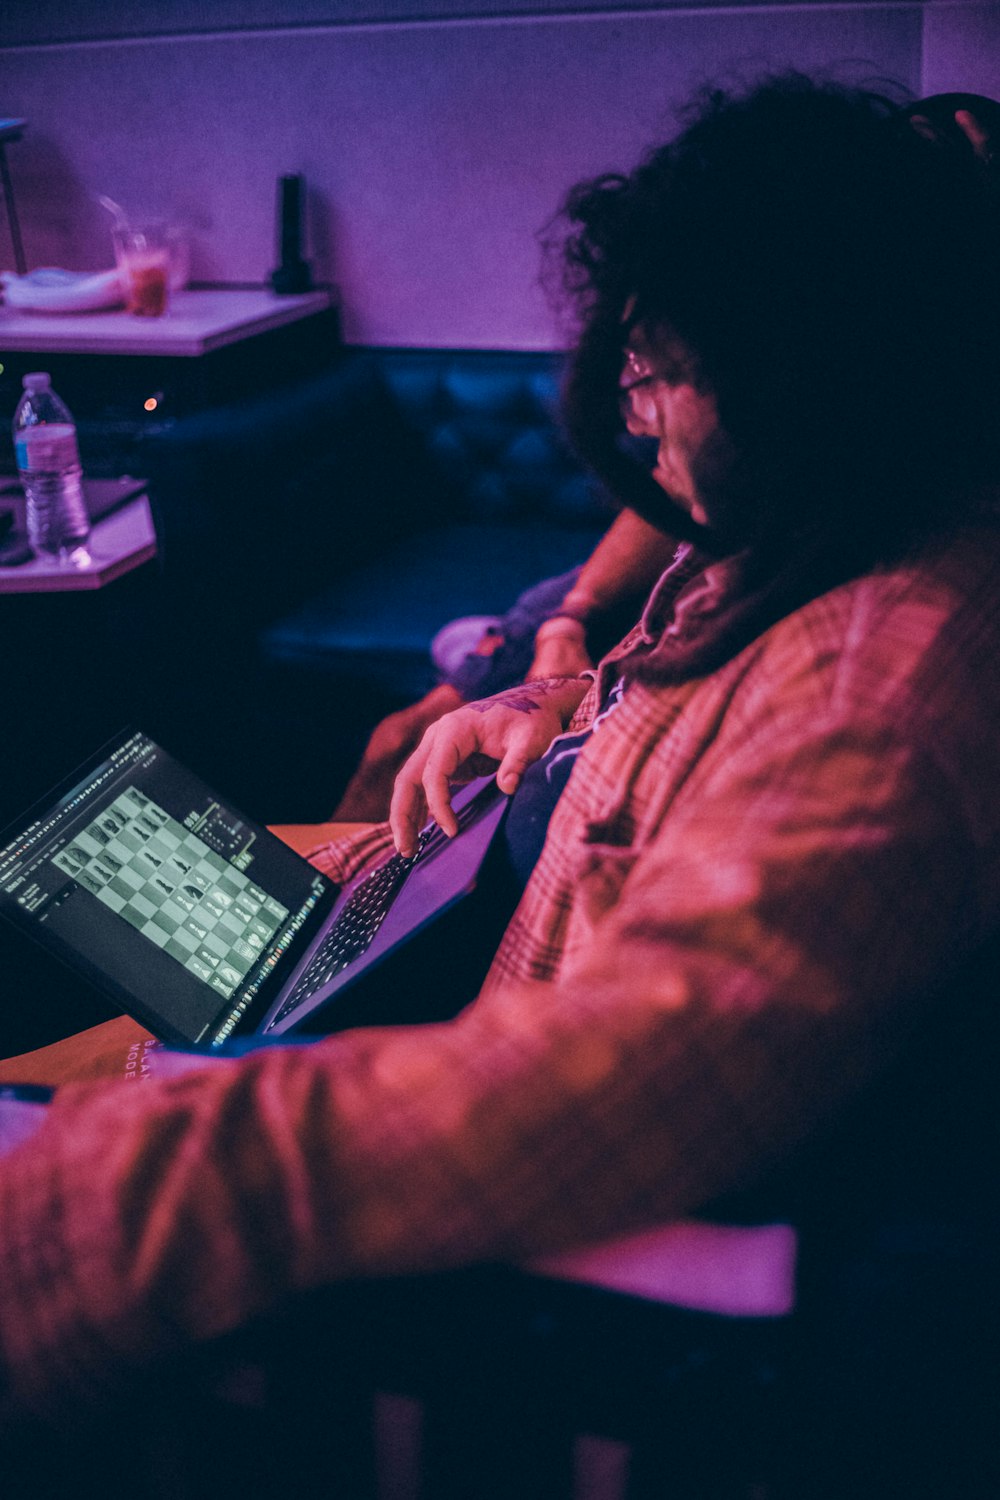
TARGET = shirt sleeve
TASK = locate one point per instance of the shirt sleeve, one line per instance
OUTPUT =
(741, 969)
(345, 857)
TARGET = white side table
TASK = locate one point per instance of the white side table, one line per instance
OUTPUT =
(196, 323)
(118, 544)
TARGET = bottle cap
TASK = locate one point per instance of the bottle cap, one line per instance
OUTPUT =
(40, 380)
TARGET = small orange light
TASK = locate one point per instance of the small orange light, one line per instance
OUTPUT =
(150, 404)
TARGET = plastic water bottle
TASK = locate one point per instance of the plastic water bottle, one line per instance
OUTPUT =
(48, 461)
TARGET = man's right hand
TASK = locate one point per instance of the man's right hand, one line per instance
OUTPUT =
(505, 734)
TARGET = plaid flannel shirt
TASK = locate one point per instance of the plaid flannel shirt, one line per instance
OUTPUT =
(746, 883)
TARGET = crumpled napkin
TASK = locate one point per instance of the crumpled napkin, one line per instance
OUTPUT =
(52, 290)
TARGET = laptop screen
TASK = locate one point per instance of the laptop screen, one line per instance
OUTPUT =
(137, 873)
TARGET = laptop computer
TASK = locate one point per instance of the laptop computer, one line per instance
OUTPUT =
(207, 928)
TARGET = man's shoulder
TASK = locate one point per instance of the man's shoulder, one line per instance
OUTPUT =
(955, 567)
(922, 631)
(949, 587)
(951, 565)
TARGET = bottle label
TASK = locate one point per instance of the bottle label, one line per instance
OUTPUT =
(48, 448)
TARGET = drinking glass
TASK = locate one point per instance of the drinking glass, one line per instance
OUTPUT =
(143, 256)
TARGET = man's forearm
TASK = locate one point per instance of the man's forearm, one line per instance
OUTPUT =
(562, 695)
(627, 561)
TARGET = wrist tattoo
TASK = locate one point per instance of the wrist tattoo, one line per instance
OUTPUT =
(526, 699)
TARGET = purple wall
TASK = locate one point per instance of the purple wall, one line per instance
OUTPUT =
(434, 149)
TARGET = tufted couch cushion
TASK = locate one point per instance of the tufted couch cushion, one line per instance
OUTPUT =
(503, 500)
(489, 424)
(380, 620)
(314, 540)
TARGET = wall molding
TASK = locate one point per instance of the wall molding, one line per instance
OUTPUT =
(536, 15)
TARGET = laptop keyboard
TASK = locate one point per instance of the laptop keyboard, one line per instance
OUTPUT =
(359, 920)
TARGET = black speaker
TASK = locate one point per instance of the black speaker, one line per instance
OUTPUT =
(292, 274)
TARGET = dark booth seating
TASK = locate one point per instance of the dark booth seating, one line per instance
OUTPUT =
(313, 542)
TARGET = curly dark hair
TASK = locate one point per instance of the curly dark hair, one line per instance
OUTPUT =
(832, 276)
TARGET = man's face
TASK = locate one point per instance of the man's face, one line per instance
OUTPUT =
(683, 420)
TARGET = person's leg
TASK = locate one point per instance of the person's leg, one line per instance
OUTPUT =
(505, 653)
(501, 659)
(367, 794)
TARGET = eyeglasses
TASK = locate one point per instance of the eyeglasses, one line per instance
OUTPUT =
(627, 392)
(642, 375)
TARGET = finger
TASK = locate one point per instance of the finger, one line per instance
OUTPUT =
(977, 137)
(441, 768)
(407, 815)
(923, 126)
(513, 766)
(407, 810)
(437, 790)
(511, 773)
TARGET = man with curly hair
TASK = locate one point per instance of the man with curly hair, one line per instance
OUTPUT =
(759, 849)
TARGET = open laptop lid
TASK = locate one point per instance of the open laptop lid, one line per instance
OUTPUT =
(135, 873)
